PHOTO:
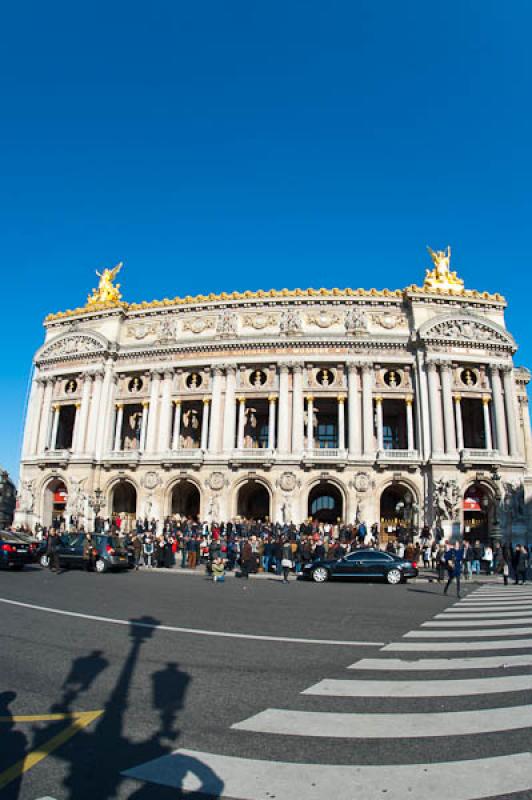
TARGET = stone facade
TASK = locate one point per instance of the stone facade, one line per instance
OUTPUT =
(282, 404)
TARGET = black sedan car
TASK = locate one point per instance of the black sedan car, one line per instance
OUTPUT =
(109, 552)
(362, 564)
(14, 552)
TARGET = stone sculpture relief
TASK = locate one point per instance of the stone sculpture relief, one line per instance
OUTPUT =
(226, 324)
(259, 321)
(356, 320)
(290, 322)
(323, 318)
(142, 329)
(198, 324)
(446, 498)
(72, 345)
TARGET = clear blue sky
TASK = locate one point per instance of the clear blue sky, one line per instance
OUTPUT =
(230, 145)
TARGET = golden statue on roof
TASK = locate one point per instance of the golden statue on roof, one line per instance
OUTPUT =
(441, 278)
(107, 292)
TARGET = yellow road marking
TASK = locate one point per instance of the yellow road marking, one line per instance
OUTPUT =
(80, 720)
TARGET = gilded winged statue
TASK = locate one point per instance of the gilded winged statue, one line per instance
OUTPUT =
(441, 277)
(107, 292)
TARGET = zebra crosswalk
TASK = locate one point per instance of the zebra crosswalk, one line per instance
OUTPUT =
(500, 710)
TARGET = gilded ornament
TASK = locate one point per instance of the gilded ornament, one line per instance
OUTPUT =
(107, 293)
(441, 277)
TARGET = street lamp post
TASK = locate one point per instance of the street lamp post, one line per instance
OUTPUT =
(96, 503)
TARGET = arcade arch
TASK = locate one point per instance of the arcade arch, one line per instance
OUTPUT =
(54, 503)
(325, 503)
(124, 504)
(253, 501)
(399, 508)
(185, 500)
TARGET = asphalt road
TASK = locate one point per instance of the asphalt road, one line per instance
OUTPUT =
(162, 689)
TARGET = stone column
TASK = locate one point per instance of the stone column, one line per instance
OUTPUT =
(74, 447)
(151, 440)
(79, 445)
(409, 424)
(45, 425)
(283, 444)
(55, 425)
(310, 422)
(367, 409)
(487, 422)
(435, 410)
(297, 409)
(205, 424)
(229, 410)
(105, 420)
(144, 425)
(271, 422)
(511, 410)
(177, 425)
(94, 417)
(459, 425)
(353, 410)
(448, 415)
(422, 407)
(527, 431)
(118, 427)
(32, 413)
(498, 409)
(35, 409)
(216, 410)
(165, 421)
(241, 422)
(341, 421)
(380, 436)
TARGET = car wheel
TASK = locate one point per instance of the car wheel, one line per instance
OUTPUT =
(320, 575)
(18, 567)
(100, 565)
(44, 561)
(394, 576)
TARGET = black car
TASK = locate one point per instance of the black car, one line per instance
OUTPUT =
(110, 552)
(362, 564)
(14, 552)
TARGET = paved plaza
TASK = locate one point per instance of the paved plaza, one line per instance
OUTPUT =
(147, 684)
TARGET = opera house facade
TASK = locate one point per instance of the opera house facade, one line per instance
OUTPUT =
(396, 407)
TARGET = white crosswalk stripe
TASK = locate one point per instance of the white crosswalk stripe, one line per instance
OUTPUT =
(480, 625)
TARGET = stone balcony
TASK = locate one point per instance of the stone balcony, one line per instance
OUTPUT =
(479, 455)
(410, 458)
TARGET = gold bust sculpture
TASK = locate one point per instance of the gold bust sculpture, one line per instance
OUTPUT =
(441, 278)
(107, 292)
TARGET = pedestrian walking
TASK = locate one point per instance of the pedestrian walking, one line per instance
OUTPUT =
(286, 560)
(52, 546)
(454, 560)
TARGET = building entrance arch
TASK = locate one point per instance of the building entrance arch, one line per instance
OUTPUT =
(185, 500)
(325, 503)
(477, 508)
(253, 501)
(54, 504)
(124, 504)
(398, 510)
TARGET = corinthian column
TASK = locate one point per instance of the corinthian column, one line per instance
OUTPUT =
(82, 415)
(448, 416)
(353, 410)
(341, 421)
(151, 441)
(205, 424)
(435, 410)
(380, 436)
(511, 410)
(487, 422)
(55, 425)
(367, 409)
(297, 409)
(241, 422)
(229, 410)
(34, 417)
(106, 415)
(283, 444)
(94, 417)
(409, 424)
(216, 410)
(146, 411)
(310, 422)
(45, 426)
(177, 425)
(271, 422)
(459, 424)
(165, 421)
(118, 427)
(498, 408)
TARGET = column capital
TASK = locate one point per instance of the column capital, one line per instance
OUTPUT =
(378, 399)
(431, 366)
(272, 398)
(206, 401)
(352, 367)
(457, 398)
(177, 402)
(367, 369)
(155, 374)
(445, 367)
(409, 400)
(55, 406)
(230, 369)
(341, 398)
(309, 398)
(297, 368)
(78, 405)
(119, 405)
(87, 376)
(506, 369)
(169, 373)
(217, 371)
(486, 399)
(99, 375)
(145, 404)
(284, 369)
(241, 400)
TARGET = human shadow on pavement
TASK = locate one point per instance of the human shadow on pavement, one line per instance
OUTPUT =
(98, 755)
(13, 749)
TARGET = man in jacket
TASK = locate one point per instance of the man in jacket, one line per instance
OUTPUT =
(520, 564)
(88, 553)
(454, 559)
(52, 546)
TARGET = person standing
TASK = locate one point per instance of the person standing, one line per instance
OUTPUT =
(246, 559)
(520, 565)
(454, 560)
(88, 553)
(52, 546)
(286, 560)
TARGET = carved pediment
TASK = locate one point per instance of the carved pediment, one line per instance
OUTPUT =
(72, 345)
(466, 331)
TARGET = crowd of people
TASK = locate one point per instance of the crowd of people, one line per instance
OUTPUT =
(257, 546)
